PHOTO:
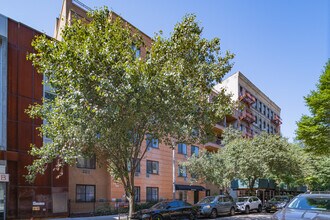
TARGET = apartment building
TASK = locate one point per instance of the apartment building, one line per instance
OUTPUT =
(257, 113)
(159, 175)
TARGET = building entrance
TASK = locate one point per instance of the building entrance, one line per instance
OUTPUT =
(2, 200)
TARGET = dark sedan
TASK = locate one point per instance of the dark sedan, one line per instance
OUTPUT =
(306, 206)
(277, 203)
(167, 210)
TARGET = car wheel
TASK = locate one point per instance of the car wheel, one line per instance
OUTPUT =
(192, 216)
(259, 208)
(247, 210)
(232, 211)
(214, 213)
(157, 217)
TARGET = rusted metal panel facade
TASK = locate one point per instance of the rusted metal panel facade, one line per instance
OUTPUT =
(25, 88)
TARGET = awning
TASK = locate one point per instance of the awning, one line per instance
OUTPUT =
(189, 187)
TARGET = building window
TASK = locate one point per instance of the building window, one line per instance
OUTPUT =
(194, 150)
(152, 142)
(182, 171)
(260, 124)
(182, 148)
(138, 167)
(136, 50)
(152, 167)
(86, 162)
(207, 192)
(264, 125)
(260, 104)
(271, 115)
(85, 193)
(49, 95)
(255, 104)
(264, 110)
(267, 112)
(152, 194)
(137, 194)
(183, 195)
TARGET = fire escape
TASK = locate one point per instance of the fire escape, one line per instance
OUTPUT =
(277, 121)
(246, 114)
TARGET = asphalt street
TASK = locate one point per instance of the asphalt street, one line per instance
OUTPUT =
(251, 216)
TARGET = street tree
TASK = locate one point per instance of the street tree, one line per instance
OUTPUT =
(317, 174)
(314, 130)
(108, 100)
(264, 156)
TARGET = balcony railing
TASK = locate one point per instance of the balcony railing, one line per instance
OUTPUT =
(247, 98)
(247, 116)
(277, 120)
(214, 145)
(248, 132)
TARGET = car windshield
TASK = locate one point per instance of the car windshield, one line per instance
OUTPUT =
(279, 199)
(208, 199)
(242, 199)
(160, 205)
(311, 203)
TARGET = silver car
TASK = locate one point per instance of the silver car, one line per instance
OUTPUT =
(248, 203)
(211, 206)
(306, 206)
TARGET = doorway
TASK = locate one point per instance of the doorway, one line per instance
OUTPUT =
(196, 197)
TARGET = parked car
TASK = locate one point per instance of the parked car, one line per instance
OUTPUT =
(175, 209)
(211, 206)
(277, 202)
(306, 206)
(248, 203)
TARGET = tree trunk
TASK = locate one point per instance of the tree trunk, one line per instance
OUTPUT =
(251, 183)
(131, 204)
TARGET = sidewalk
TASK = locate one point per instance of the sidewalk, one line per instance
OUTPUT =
(107, 217)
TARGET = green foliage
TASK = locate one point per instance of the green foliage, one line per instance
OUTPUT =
(314, 130)
(264, 156)
(318, 173)
(107, 99)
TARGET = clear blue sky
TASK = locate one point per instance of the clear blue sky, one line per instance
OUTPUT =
(280, 45)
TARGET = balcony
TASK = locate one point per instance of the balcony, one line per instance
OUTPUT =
(248, 133)
(220, 126)
(247, 116)
(247, 97)
(213, 145)
(277, 120)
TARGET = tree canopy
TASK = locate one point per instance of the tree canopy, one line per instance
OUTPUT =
(107, 99)
(314, 130)
(264, 156)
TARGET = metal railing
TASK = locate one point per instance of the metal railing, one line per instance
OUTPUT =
(79, 3)
(97, 208)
